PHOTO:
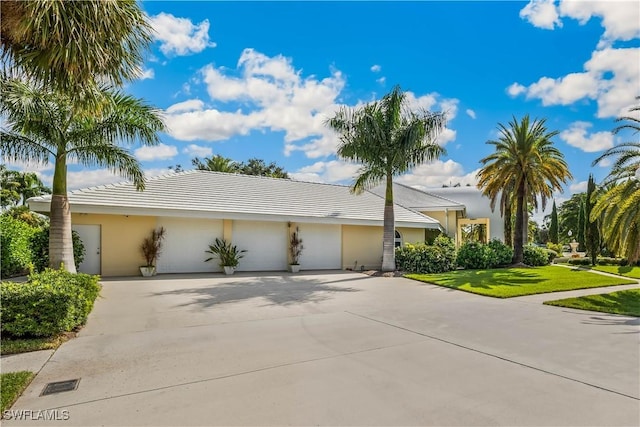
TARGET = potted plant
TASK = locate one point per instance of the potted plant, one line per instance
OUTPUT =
(295, 250)
(151, 248)
(229, 255)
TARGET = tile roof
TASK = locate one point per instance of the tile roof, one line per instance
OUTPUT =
(233, 196)
(417, 199)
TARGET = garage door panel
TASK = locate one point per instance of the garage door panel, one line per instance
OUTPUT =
(185, 243)
(265, 242)
(322, 246)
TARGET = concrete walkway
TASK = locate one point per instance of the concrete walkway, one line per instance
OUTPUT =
(338, 349)
(32, 361)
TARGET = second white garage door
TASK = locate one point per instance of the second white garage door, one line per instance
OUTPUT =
(266, 244)
(185, 243)
(322, 246)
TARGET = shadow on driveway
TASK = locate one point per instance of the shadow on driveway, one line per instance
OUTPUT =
(276, 290)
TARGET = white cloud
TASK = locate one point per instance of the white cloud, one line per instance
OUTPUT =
(147, 73)
(197, 150)
(331, 172)
(577, 136)
(438, 173)
(180, 36)
(541, 14)
(578, 187)
(471, 113)
(156, 152)
(185, 106)
(611, 77)
(382, 80)
(269, 94)
(516, 89)
(620, 19)
(376, 68)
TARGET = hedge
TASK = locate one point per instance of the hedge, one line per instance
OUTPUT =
(421, 258)
(15, 237)
(51, 302)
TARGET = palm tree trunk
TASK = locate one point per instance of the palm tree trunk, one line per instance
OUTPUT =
(389, 233)
(518, 238)
(60, 239)
(507, 224)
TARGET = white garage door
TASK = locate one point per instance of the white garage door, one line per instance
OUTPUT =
(322, 246)
(184, 245)
(265, 242)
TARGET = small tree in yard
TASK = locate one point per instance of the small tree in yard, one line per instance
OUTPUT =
(581, 223)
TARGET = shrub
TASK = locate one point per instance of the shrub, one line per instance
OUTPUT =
(15, 236)
(556, 247)
(612, 261)
(422, 258)
(535, 256)
(503, 254)
(39, 247)
(579, 261)
(475, 255)
(49, 303)
(551, 254)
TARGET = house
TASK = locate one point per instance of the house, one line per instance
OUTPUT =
(339, 229)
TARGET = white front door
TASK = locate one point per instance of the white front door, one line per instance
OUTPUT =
(90, 236)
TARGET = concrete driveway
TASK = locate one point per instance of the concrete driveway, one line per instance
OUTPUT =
(337, 348)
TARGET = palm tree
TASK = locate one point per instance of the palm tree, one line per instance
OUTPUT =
(619, 205)
(525, 156)
(70, 45)
(216, 163)
(388, 140)
(43, 125)
(29, 185)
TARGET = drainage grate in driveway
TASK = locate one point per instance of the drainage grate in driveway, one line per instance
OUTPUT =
(60, 386)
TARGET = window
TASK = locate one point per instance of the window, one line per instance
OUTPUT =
(398, 240)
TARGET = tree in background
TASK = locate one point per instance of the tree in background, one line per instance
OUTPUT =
(581, 227)
(568, 213)
(253, 166)
(591, 232)
(19, 186)
(388, 139)
(43, 126)
(524, 153)
(553, 226)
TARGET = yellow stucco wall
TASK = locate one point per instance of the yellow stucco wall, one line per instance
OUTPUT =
(440, 216)
(363, 244)
(121, 237)
(411, 235)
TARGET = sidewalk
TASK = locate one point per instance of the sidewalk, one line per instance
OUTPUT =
(32, 361)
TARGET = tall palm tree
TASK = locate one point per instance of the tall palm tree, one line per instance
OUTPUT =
(619, 205)
(43, 126)
(525, 155)
(388, 140)
(69, 45)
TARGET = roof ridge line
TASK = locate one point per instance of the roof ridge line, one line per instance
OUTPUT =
(267, 177)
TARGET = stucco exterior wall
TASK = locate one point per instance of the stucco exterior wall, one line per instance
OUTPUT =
(362, 244)
(441, 217)
(121, 237)
(411, 235)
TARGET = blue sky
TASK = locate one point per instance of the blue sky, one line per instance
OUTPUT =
(245, 79)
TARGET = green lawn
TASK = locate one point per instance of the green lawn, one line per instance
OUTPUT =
(12, 346)
(621, 302)
(12, 384)
(627, 270)
(513, 282)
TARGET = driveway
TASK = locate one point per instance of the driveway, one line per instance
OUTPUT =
(337, 348)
